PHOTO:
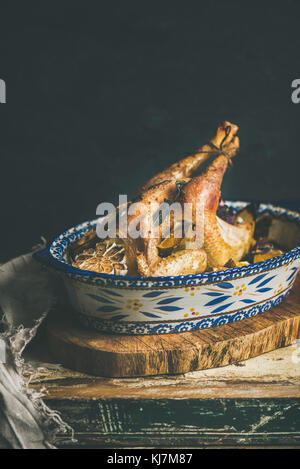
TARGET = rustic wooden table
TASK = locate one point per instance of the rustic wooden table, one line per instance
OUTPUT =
(254, 403)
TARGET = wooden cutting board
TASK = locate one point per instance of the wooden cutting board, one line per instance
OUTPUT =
(123, 356)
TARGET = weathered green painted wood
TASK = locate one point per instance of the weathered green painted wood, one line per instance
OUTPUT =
(192, 422)
(177, 441)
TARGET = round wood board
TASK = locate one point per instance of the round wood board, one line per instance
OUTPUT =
(123, 356)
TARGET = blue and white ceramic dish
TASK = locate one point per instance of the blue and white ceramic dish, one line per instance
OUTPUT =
(162, 305)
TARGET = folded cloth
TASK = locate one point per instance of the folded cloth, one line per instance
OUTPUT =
(27, 292)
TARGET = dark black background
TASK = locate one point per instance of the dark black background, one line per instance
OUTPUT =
(101, 95)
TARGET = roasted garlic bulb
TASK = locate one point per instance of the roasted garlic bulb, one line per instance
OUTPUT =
(107, 256)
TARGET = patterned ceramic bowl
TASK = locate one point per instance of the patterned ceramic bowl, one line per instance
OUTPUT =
(162, 305)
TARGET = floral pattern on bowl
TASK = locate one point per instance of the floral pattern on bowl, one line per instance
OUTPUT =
(136, 305)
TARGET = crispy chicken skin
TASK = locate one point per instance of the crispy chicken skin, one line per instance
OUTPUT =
(184, 262)
(187, 166)
(221, 241)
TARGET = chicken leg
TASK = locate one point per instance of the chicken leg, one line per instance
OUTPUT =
(222, 241)
(159, 189)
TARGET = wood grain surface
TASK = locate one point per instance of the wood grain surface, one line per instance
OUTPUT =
(107, 355)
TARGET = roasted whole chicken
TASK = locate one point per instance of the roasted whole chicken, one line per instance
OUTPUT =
(220, 241)
(172, 243)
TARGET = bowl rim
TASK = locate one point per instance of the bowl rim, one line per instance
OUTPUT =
(53, 254)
